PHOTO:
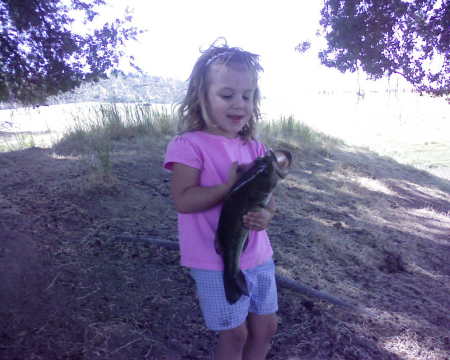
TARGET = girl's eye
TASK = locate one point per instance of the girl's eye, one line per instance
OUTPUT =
(230, 96)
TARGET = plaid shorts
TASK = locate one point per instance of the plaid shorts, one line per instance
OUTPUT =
(218, 313)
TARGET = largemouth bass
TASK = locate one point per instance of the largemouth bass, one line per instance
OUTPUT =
(252, 191)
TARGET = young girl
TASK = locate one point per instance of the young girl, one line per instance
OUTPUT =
(218, 118)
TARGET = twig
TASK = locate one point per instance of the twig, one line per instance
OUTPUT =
(88, 294)
(53, 281)
(125, 346)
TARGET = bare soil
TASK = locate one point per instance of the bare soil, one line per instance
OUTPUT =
(73, 285)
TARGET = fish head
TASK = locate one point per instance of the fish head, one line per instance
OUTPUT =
(281, 161)
(265, 172)
(274, 166)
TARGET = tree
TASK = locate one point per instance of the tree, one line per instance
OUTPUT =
(385, 37)
(42, 55)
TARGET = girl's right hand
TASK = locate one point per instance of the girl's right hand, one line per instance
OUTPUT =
(233, 174)
(190, 197)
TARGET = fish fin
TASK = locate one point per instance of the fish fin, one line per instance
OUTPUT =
(242, 283)
(235, 287)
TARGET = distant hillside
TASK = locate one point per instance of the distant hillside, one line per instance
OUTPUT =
(127, 88)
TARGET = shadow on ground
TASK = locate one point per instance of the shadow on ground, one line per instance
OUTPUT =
(351, 223)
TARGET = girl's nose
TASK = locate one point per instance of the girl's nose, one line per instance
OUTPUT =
(239, 102)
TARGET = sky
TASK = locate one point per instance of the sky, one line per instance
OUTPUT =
(177, 29)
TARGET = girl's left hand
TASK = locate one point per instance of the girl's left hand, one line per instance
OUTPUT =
(258, 220)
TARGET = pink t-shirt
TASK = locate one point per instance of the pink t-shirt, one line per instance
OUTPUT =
(213, 156)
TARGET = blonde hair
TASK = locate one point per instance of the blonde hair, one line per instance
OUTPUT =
(193, 110)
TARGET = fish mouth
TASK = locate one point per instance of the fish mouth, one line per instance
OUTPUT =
(282, 160)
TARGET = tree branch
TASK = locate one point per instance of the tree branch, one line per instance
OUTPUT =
(281, 280)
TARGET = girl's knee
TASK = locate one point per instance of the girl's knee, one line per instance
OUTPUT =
(271, 327)
(263, 327)
(236, 337)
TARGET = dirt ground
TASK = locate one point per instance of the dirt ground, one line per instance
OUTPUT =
(79, 280)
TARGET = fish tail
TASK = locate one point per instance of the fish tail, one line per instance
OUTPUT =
(235, 286)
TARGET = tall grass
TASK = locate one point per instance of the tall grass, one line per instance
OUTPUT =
(101, 126)
(17, 142)
(115, 122)
(292, 131)
(95, 131)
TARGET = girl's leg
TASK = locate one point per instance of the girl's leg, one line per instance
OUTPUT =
(261, 328)
(231, 343)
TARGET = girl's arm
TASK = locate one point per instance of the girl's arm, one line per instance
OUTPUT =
(189, 196)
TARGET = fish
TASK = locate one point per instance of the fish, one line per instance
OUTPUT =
(253, 190)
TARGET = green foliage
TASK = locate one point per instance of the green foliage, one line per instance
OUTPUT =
(42, 56)
(303, 46)
(102, 147)
(385, 37)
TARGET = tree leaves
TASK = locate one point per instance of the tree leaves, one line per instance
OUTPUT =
(385, 37)
(41, 55)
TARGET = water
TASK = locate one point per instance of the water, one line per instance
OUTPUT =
(371, 121)
(410, 128)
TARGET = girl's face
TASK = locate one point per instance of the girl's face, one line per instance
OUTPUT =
(229, 99)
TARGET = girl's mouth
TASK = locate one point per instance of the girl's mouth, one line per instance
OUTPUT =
(235, 118)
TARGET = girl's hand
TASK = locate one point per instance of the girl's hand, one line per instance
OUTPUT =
(233, 174)
(258, 220)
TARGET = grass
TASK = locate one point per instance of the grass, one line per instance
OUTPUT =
(18, 142)
(96, 131)
(294, 132)
(109, 123)
(115, 122)
(96, 127)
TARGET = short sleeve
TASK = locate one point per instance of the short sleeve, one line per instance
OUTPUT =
(261, 149)
(180, 150)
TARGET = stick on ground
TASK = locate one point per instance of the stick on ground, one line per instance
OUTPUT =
(281, 280)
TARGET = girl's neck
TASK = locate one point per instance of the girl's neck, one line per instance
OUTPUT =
(218, 133)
